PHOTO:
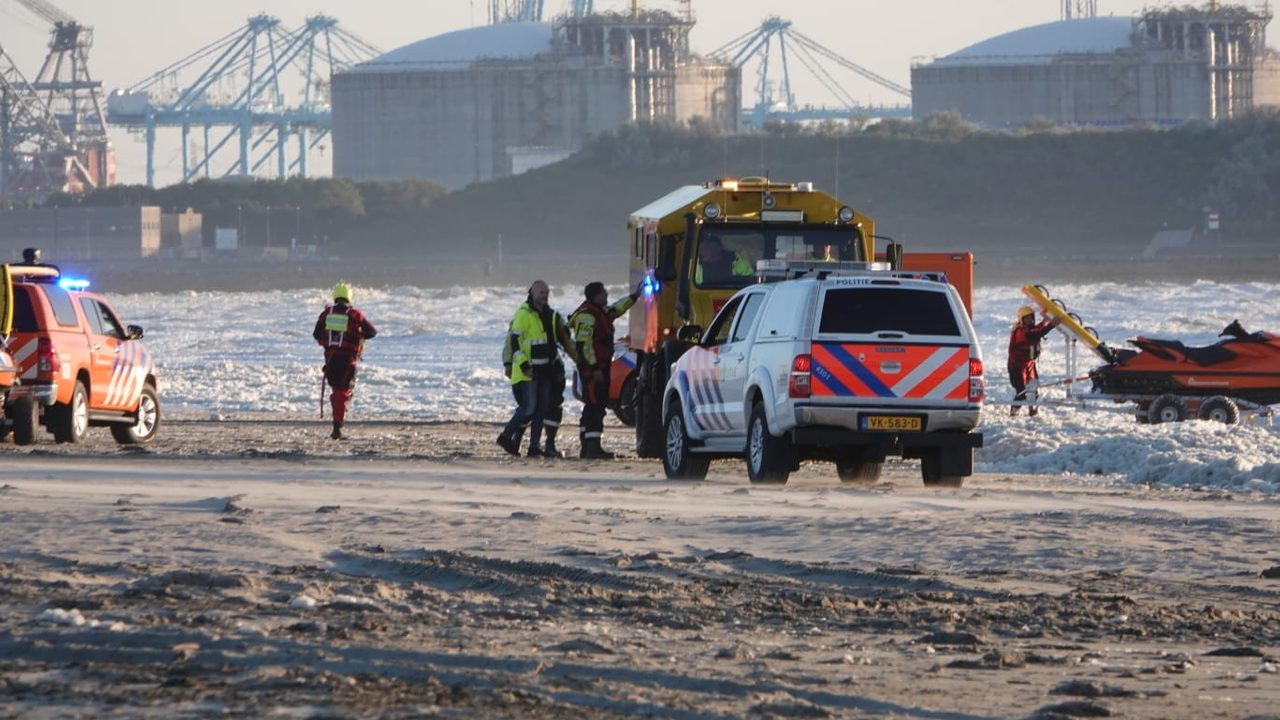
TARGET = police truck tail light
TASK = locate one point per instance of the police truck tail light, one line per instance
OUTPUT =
(976, 385)
(47, 362)
(799, 387)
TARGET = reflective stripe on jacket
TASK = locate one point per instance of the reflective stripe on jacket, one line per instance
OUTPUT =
(342, 328)
(593, 331)
(527, 342)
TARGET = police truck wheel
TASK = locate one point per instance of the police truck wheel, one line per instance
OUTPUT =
(26, 420)
(678, 461)
(1166, 409)
(931, 472)
(858, 472)
(768, 457)
(148, 420)
(626, 410)
(69, 422)
(1220, 409)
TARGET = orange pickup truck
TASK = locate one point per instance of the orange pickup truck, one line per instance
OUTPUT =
(77, 365)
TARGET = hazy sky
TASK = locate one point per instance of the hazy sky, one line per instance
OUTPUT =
(135, 38)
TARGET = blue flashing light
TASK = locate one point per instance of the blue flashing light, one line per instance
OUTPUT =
(70, 283)
(651, 284)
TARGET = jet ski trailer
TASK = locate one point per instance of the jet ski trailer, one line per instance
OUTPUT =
(1170, 381)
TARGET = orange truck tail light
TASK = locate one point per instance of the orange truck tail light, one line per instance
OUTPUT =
(799, 385)
(47, 363)
(976, 385)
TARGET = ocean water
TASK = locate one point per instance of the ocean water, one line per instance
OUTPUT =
(438, 357)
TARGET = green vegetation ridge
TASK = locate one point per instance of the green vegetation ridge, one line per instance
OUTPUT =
(934, 184)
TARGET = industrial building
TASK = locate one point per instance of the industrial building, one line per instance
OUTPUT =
(81, 233)
(487, 102)
(1165, 67)
(182, 234)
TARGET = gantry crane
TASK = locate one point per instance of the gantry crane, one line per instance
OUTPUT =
(242, 93)
(776, 33)
(53, 136)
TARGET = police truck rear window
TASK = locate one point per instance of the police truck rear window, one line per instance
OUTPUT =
(868, 310)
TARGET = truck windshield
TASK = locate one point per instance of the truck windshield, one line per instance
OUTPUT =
(727, 255)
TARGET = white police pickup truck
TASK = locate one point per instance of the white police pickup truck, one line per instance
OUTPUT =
(846, 362)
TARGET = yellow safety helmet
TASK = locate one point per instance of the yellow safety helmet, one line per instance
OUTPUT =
(342, 291)
(1025, 310)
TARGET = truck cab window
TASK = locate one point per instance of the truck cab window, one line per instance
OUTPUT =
(110, 324)
(750, 308)
(718, 333)
(91, 316)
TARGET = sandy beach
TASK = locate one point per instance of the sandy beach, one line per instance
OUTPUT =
(255, 569)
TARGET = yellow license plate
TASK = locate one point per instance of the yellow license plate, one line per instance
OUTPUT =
(892, 422)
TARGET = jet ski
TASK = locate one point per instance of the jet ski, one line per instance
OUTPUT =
(1243, 365)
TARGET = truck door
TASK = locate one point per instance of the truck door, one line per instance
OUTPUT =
(103, 352)
(118, 364)
(734, 358)
(703, 368)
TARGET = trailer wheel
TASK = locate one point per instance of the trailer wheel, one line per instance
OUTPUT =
(1143, 413)
(1166, 409)
(1220, 409)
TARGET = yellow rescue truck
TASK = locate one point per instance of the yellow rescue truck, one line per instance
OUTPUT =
(699, 244)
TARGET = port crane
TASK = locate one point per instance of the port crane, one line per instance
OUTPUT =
(241, 93)
(53, 135)
(774, 46)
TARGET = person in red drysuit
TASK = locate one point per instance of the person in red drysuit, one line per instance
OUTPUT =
(341, 330)
(1024, 348)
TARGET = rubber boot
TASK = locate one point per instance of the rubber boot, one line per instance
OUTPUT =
(591, 450)
(338, 400)
(511, 446)
(549, 450)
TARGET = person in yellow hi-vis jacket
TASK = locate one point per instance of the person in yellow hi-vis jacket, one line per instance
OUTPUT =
(592, 325)
(532, 362)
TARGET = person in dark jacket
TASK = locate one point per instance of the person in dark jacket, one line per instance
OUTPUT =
(592, 326)
(341, 330)
(1024, 349)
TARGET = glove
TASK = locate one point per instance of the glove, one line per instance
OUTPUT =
(639, 290)
(506, 370)
(526, 368)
